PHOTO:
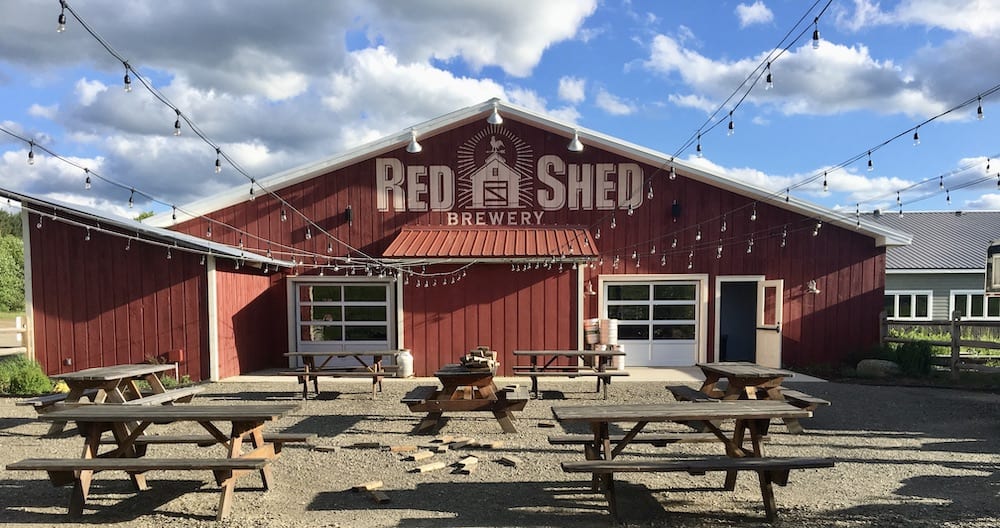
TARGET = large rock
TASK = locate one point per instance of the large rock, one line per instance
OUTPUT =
(877, 368)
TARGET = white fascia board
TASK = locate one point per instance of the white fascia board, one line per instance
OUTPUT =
(980, 271)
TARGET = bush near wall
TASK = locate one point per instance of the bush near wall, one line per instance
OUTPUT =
(20, 376)
(11, 274)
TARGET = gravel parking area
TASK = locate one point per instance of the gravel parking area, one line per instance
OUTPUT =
(905, 457)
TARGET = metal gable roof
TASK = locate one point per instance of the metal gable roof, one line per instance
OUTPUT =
(882, 235)
(125, 225)
(942, 240)
(482, 242)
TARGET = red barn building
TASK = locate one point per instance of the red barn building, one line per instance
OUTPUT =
(462, 232)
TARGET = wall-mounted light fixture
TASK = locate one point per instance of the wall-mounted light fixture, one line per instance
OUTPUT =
(349, 215)
(575, 145)
(812, 288)
(413, 147)
(589, 290)
(494, 118)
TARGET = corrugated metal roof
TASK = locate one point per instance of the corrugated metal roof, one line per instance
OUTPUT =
(945, 240)
(481, 242)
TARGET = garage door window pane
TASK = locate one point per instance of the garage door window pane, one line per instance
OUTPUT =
(321, 332)
(629, 313)
(367, 333)
(628, 292)
(672, 312)
(319, 293)
(633, 332)
(364, 313)
(364, 293)
(673, 332)
(319, 313)
(674, 292)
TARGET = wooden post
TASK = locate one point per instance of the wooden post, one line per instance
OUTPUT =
(883, 327)
(956, 335)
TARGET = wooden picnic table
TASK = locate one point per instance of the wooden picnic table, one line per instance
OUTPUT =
(465, 389)
(751, 417)
(114, 384)
(129, 424)
(553, 366)
(369, 364)
(746, 381)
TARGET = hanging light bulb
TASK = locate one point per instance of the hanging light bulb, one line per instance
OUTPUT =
(86, 182)
(169, 255)
(979, 109)
(635, 254)
(673, 173)
(732, 127)
(941, 182)
(38, 225)
(697, 148)
(898, 200)
(131, 199)
(652, 249)
(87, 237)
(819, 224)
(901, 210)
(750, 245)
(575, 145)
(649, 194)
(673, 243)
(283, 216)
(202, 260)
(329, 247)
(718, 250)
(631, 210)
(128, 244)
(309, 233)
(753, 213)
(31, 153)
(768, 81)
(127, 80)
(173, 214)
(413, 147)
(597, 235)
(240, 243)
(208, 231)
(784, 235)
(871, 166)
(62, 17)
(788, 193)
(697, 236)
(218, 161)
(691, 259)
(826, 187)
(663, 260)
(613, 223)
(916, 136)
(268, 254)
(722, 228)
(495, 118)
(947, 197)
(252, 197)
(177, 123)
(816, 33)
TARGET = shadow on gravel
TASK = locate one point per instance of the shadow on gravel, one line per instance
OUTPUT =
(110, 501)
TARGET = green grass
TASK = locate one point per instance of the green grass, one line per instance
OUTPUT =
(10, 316)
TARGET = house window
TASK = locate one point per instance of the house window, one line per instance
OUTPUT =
(974, 304)
(908, 305)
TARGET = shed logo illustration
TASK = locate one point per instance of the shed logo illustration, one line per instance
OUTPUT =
(486, 180)
(498, 181)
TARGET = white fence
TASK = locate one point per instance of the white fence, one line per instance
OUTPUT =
(12, 340)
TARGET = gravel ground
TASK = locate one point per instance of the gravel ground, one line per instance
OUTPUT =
(905, 457)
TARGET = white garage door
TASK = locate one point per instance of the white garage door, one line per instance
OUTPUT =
(657, 321)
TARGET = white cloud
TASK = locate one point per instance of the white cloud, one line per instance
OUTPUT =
(755, 13)
(48, 112)
(87, 91)
(613, 104)
(571, 89)
(979, 18)
(985, 202)
(692, 101)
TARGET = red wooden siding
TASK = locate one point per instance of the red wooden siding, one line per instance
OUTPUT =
(534, 309)
(96, 304)
(252, 324)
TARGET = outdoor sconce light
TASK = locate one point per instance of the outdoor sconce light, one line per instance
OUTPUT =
(590, 289)
(811, 287)
(349, 215)
(675, 210)
(413, 147)
(575, 145)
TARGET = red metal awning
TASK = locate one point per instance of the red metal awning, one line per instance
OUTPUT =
(491, 242)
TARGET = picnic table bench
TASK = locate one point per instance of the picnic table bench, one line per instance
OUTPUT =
(553, 366)
(751, 417)
(128, 424)
(369, 365)
(465, 390)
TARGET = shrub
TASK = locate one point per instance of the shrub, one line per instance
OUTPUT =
(914, 358)
(21, 376)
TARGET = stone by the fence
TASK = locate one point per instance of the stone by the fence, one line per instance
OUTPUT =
(877, 368)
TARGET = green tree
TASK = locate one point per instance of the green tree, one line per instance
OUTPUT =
(144, 215)
(10, 224)
(11, 273)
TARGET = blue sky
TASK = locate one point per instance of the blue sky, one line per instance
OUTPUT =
(281, 84)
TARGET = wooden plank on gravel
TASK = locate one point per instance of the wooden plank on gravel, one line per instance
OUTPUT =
(426, 468)
(403, 448)
(420, 455)
(510, 460)
(379, 497)
(368, 486)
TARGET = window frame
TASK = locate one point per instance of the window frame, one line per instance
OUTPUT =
(913, 294)
(968, 308)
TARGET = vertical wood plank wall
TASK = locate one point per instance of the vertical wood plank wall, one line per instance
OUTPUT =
(251, 321)
(97, 304)
(508, 310)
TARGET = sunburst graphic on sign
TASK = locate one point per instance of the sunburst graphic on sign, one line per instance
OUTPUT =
(495, 171)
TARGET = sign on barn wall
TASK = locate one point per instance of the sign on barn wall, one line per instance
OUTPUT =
(499, 181)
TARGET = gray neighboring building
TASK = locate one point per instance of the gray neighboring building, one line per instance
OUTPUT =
(943, 269)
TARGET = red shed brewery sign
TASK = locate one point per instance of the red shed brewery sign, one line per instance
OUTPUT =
(498, 181)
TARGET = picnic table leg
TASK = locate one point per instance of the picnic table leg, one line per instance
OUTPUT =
(429, 422)
(506, 419)
(767, 493)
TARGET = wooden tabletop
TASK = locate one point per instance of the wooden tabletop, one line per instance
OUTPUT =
(569, 353)
(147, 413)
(680, 411)
(343, 354)
(744, 369)
(114, 372)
